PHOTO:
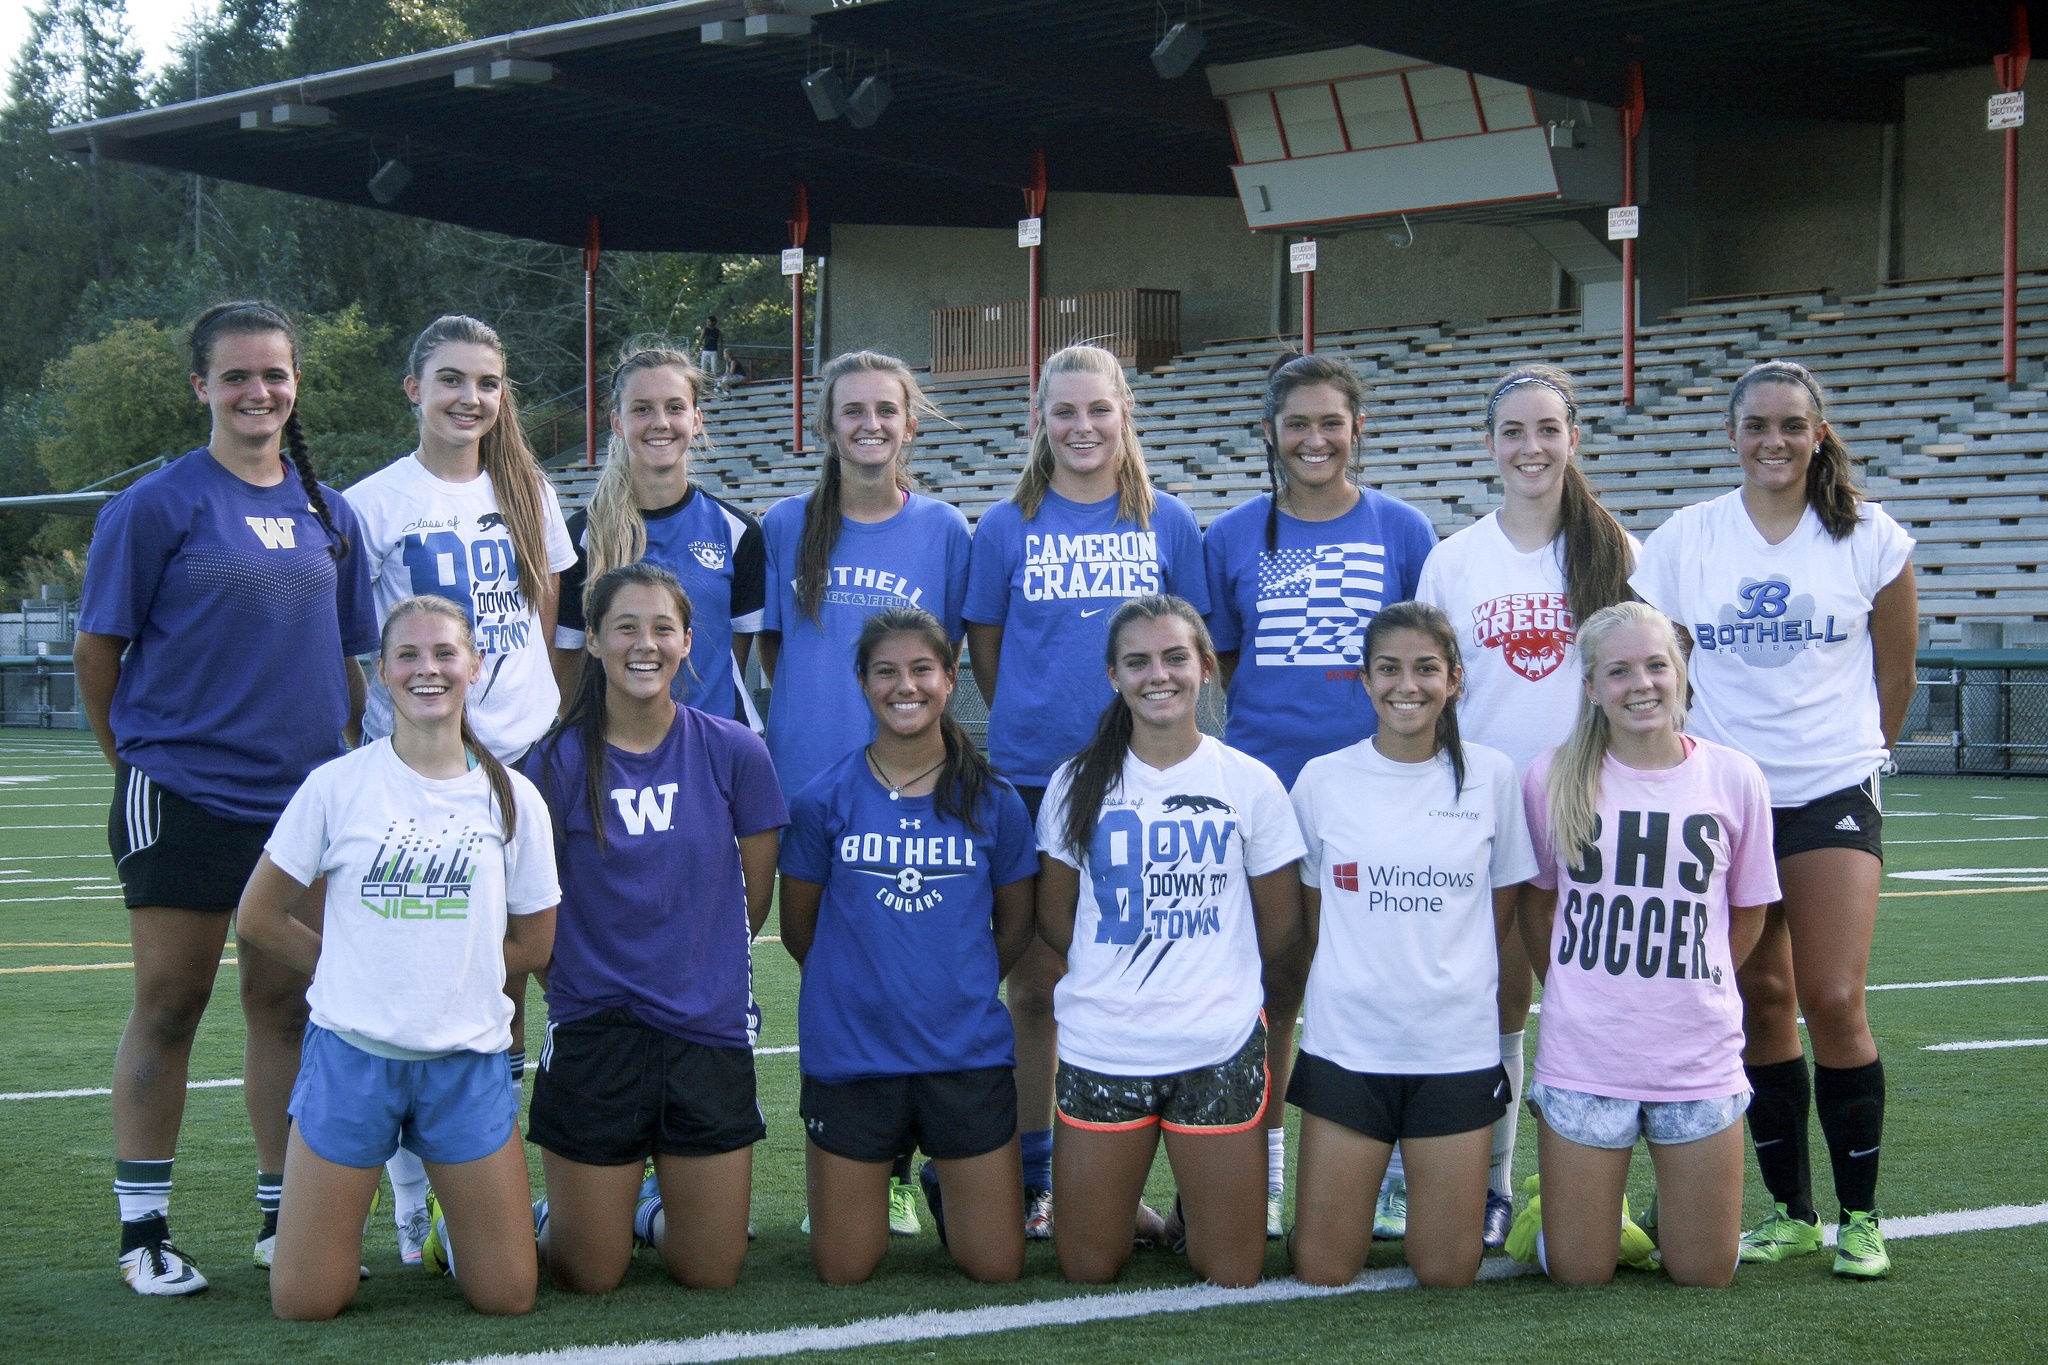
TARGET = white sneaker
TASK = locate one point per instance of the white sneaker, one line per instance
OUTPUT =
(160, 1270)
(412, 1236)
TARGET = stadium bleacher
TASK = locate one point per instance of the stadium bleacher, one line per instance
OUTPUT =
(1957, 455)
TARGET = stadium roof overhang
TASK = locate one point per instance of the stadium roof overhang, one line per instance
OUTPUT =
(680, 143)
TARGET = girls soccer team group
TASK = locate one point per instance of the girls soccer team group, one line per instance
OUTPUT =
(1447, 769)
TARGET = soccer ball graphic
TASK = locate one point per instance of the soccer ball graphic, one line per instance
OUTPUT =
(909, 881)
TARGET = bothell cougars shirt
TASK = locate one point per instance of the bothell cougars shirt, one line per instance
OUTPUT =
(1163, 973)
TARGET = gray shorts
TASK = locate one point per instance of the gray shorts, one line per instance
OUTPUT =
(1603, 1121)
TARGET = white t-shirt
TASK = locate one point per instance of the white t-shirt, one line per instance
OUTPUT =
(1782, 664)
(1163, 974)
(1407, 967)
(429, 536)
(419, 881)
(1515, 633)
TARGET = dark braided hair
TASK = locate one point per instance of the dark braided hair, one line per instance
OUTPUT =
(586, 715)
(965, 777)
(1425, 619)
(1289, 371)
(251, 317)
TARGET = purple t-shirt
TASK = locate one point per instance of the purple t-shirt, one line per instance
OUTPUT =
(1641, 1002)
(902, 977)
(238, 617)
(656, 923)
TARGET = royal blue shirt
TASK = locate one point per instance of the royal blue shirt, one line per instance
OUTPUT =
(1297, 618)
(655, 923)
(1052, 582)
(917, 558)
(902, 977)
(715, 551)
(238, 619)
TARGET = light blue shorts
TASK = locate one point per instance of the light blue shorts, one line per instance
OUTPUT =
(354, 1107)
(1603, 1121)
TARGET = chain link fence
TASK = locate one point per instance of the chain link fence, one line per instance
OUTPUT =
(1982, 711)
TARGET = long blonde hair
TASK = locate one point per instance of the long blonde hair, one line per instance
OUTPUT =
(1135, 499)
(617, 534)
(1574, 782)
(821, 515)
(516, 480)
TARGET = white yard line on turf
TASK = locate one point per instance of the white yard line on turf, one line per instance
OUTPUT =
(1972, 981)
(1989, 1043)
(1073, 1311)
(75, 1094)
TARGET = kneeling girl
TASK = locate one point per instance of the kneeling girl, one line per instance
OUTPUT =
(666, 820)
(907, 881)
(1167, 882)
(1660, 845)
(440, 879)
(1416, 853)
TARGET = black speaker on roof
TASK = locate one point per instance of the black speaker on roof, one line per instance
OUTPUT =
(390, 181)
(826, 92)
(867, 102)
(1178, 50)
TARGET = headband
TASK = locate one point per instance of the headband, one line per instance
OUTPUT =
(1571, 409)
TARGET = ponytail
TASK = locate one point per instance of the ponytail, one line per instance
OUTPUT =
(821, 515)
(1289, 371)
(1573, 785)
(316, 499)
(494, 772)
(1428, 620)
(1830, 480)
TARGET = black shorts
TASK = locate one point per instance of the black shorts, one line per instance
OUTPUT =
(1034, 797)
(948, 1115)
(1844, 819)
(612, 1091)
(1389, 1108)
(174, 853)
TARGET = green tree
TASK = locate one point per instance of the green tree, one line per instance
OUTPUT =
(113, 403)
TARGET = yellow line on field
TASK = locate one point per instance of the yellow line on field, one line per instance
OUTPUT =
(1974, 891)
(83, 967)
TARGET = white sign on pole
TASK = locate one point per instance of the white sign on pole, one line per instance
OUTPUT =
(1029, 231)
(1301, 257)
(793, 260)
(1624, 223)
(2006, 111)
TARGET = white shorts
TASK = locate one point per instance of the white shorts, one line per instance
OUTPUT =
(1603, 1121)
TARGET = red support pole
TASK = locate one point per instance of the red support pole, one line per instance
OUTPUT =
(1034, 204)
(1308, 309)
(799, 228)
(590, 259)
(1631, 125)
(2011, 66)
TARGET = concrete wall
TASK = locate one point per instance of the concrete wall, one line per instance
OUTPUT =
(1453, 272)
(1954, 176)
(1785, 204)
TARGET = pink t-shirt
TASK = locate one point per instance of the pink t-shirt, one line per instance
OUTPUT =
(1641, 1003)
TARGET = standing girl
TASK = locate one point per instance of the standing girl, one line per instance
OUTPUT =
(440, 877)
(1416, 855)
(1513, 583)
(468, 516)
(1805, 620)
(1167, 881)
(1295, 576)
(1660, 844)
(647, 507)
(1083, 532)
(906, 897)
(666, 823)
(227, 598)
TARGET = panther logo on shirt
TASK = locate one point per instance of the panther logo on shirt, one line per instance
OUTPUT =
(709, 553)
(1532, 631)
(489, 519)
(1196, 804)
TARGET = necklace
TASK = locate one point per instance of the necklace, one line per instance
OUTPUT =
(896, 788)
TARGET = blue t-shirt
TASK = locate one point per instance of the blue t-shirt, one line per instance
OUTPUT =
(655, 923)
(917, 558)
(238, 617)
(715, 551)
(1297, 619)
(1052, 583)
(902, 977)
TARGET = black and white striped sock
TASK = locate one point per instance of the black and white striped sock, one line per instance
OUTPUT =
(143, 1189)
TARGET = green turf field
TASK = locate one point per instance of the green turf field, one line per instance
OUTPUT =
(1965, 1132)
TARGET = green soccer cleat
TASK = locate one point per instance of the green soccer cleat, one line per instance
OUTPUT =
(903, 1209)
(436, 1255)
(1638, 1249)
(1390, 1214)
(1780, 1237)
(1521, 1243)
(1859, 1248)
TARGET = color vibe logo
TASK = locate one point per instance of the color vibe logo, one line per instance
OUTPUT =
(1532, 630)
(421, 876)
(1767, 625)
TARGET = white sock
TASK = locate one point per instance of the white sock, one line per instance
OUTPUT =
(1397, 1174)
(1501, 1177)
(1276, 1160)
(408, 1185)
(1542, 1256)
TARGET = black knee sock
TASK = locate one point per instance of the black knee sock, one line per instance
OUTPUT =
(1851, 1105)
(1777, 1123)
(901, 1170)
